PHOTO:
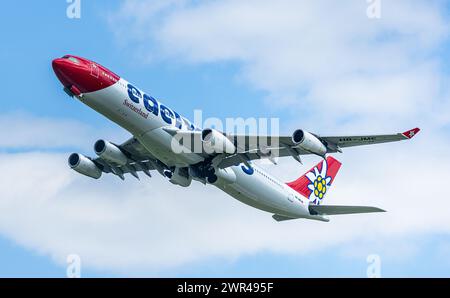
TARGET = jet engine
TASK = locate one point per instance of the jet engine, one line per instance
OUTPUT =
(226, 176)
(84, 165)
(308, 142)
(215, 142)
(180, 176)
(110, 152)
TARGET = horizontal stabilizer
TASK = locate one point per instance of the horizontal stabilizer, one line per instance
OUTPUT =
(278, 217)
(337, 210)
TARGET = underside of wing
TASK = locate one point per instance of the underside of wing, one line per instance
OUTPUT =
(128, 158)
(138, 159)
(247, 148)
(272, 147)
(350, 141)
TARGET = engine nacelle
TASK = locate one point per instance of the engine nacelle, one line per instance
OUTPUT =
(180, 176)
(308, 142)
(84, 165)
(110, 152)
(226, 176)
(215, 142)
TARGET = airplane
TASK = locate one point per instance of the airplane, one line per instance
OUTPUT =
(162, 141)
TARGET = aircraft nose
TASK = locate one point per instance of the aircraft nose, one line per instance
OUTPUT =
(73, 73)
(68, 73)
(60, 68)
(81, 75)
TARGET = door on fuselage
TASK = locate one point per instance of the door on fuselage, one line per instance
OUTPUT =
(95, 70)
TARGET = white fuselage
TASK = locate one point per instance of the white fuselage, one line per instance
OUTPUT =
(253, 187)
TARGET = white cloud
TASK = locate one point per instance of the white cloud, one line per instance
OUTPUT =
(150, 226)
(22, 130)
(327, 56)
(337, 72)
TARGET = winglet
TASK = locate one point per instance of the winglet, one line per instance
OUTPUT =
(411, 133)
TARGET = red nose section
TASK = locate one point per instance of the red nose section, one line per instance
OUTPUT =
(82, 74)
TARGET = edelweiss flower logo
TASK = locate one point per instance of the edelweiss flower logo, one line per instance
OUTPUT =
(319, 183)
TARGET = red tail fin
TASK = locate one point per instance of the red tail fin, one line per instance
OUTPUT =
(317, 181)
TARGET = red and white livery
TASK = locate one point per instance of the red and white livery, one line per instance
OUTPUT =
(166, 142)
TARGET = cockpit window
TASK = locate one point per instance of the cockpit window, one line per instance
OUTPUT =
(74, 60)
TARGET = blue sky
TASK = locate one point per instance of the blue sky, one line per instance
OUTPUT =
(181, 53)
(42, 34)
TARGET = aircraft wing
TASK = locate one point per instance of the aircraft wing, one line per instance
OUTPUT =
(139, 160)
(258, 147)
(350, 141)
